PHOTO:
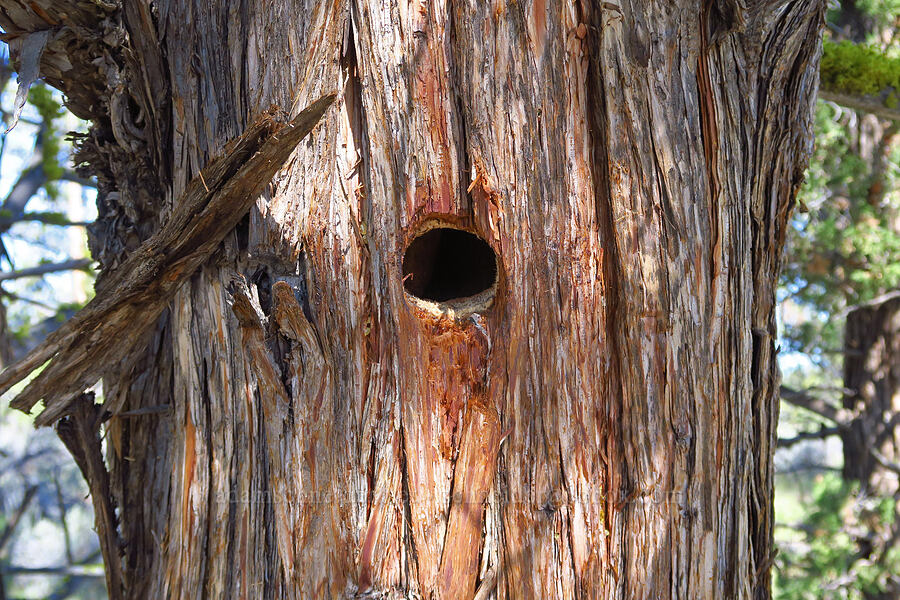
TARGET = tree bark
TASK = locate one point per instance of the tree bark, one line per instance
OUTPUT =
(598, 422)
(871, 441)
(872, 378)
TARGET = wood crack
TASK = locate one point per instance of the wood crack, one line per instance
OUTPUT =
(408, 536)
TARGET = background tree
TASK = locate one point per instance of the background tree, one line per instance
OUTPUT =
(842, 267)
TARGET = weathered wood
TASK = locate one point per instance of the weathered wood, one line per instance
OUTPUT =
(80, 432)
(130, 299)
(602, 426)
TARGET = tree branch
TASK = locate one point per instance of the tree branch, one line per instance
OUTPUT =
(68, 265)
(48, 218)
(864, 103)
(873, 303)
(16, 517)
(816, 405)
(25, 187)
(72, 580)
(130, 298)
(68, 570)
(76, 178)
(882, 460)
(804, 436)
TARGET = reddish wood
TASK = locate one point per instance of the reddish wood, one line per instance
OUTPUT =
(632, 165)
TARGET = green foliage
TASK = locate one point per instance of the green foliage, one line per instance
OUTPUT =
(49, 109)
(845, 249)
(858, 69)
(822, 561)
(41, 97)
(883, 12)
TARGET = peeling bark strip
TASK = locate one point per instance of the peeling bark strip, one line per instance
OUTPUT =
(631, 165)
(130, 298)
(29, 48)
(80, 432)
(472, 481)
(275, 406)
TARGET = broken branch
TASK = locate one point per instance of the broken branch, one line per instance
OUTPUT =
(131, 297)
(67, 265)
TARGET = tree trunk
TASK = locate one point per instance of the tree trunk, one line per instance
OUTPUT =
(354, 398)
(872, 380)
(872, 440)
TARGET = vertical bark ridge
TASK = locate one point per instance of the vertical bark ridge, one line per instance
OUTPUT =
(139, 450)
(606, 563)
(609, 447)
(787, 84)
(152, 90)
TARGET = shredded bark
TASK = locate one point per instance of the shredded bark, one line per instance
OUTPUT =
(131, 297)
(80, 432)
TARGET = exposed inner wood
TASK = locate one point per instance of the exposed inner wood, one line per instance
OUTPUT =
(449, 271)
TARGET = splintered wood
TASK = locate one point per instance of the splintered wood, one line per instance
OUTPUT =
(131, 298)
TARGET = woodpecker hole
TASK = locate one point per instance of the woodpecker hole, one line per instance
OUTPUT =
(450, 270)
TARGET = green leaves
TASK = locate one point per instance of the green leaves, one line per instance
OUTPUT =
(822, 560)
(49, 109)
(859, 69)
(845, 248)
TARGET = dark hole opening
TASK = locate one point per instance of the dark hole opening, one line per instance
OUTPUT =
(445, 263)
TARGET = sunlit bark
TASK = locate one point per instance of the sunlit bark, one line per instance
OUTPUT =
(597, 422)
